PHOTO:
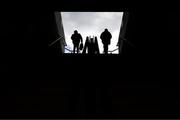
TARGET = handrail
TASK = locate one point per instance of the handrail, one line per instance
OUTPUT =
(130, 43)
(108, 51)
(113, 50)
(68, 49)
(55, 40)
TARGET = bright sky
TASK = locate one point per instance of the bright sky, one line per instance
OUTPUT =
(92, 24)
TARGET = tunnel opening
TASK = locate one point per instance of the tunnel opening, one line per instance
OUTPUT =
(90, 26)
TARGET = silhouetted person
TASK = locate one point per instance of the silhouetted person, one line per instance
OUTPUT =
(76, 38)
(106, 39)
(91, 46)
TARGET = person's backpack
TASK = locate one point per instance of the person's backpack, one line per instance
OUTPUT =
(81, 46)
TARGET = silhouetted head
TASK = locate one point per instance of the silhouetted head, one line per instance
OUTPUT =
(75, 32)
(106, 30)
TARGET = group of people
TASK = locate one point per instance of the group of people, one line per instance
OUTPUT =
(77, 40)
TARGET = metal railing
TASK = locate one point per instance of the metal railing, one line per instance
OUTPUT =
(108, 51)
(57, 40)
(113, 50)
(68, 50)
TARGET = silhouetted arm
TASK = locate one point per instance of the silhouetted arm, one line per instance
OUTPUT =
(110, 35)
(72, 37)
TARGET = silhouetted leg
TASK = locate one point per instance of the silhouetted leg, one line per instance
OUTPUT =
(74, 49)
(106, 49)
(77, 49)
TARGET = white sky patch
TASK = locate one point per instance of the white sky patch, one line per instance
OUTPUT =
(92, 24)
